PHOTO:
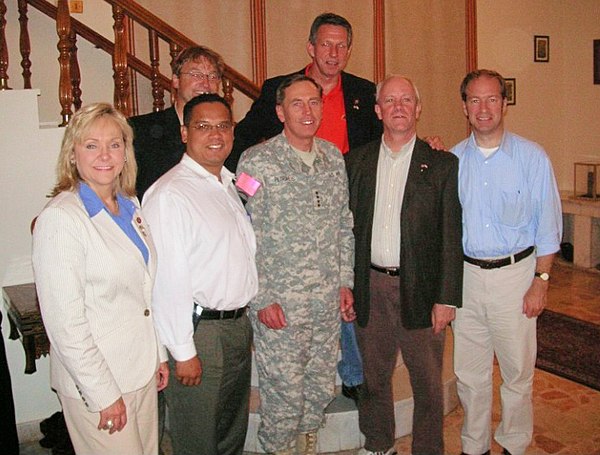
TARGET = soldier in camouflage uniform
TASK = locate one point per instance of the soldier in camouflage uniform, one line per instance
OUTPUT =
(305, 255)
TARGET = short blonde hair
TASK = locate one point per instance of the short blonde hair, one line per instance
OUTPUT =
(68, 177)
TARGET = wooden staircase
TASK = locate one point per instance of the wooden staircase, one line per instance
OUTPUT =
(126, 65)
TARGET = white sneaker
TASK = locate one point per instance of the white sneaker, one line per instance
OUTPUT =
(390, 451)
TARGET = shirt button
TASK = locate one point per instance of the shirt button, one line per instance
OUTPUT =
(146, 312)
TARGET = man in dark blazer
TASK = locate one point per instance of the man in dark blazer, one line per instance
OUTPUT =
(157, 135)
(408, 267)
(348, 121)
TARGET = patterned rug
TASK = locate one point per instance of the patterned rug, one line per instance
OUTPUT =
(569, 347)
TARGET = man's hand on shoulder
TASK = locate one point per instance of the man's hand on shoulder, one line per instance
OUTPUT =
(273, 317)
(436, 143)
(189, 372)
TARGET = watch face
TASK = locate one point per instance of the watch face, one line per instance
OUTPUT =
(544, 276)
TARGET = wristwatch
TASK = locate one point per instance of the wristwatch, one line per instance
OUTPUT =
(543, 276)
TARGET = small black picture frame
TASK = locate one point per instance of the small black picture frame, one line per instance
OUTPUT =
(597, 61)
(511, 91)
(541, 48)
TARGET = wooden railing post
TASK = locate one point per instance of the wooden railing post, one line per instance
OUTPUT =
(75, 74)
(65, 92)
(227, 90)
(158, 94)
(3, 49)
(24, 43)
(120, 62)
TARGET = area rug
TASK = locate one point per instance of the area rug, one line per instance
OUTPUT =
(569, 347)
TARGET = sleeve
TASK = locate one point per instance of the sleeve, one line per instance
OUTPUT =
(258, 211)
(172, 298)
(260, 123)
(548, 208)
(59, 252)
(452, 252)
(346, 236)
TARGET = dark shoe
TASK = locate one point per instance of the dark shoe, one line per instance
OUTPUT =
(351, 392)
(487, 452)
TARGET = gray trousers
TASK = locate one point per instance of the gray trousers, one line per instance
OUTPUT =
(423, 354)
(212, 417)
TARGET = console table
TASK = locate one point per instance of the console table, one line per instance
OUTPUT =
(583, 212)
(26, 322)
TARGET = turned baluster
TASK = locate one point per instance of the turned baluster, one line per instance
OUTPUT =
(24, 43)
(228, 90)
(75, 73)
(3, 49)
(174, 50)
(65, 92)
(120, 62)
(158, 94)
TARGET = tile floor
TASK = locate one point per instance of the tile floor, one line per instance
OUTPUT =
(567, 415)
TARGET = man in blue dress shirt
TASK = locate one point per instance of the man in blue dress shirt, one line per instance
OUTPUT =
(512, 228)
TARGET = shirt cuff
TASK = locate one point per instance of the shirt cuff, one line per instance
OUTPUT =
(183, 352)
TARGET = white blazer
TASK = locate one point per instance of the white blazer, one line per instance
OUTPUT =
(94, 290)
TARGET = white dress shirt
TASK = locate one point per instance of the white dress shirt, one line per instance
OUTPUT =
(206, 250)
(392, 172)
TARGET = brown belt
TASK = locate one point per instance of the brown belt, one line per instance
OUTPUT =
(497, 263)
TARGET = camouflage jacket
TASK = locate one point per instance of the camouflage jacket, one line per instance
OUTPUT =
(303, 226)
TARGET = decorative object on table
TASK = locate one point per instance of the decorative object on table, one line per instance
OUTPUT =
(541, 48)
(587, 185)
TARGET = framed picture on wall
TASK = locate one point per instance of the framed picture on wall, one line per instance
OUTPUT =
(597, 61)
(541, 48)
(511, 91)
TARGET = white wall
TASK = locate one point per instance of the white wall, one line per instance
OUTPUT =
(28, 156)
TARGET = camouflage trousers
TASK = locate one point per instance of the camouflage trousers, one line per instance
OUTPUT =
(296, 370)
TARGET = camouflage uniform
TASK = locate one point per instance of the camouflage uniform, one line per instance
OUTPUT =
(305, 253)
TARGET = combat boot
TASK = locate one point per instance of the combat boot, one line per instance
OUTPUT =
(306, 443)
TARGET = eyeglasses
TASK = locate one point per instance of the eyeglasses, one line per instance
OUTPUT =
(211, 77)
(222, 127)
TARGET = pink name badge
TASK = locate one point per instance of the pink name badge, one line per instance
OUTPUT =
(247, 184)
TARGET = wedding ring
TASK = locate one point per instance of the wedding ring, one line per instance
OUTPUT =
(109, 424)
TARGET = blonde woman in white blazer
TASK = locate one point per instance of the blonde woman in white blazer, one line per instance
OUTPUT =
(94, 265)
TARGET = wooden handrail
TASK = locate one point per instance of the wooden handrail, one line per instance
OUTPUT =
(99, 41)
(124, 12)
(164, 31)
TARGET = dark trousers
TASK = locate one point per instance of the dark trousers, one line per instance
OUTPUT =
(9, 441)
(423, 354)
(212, 417)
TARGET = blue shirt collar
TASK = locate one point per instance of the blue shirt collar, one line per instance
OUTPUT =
(505, 144)
(93, 205)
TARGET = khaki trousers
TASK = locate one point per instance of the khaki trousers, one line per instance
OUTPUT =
(490, 322)
(139, 437)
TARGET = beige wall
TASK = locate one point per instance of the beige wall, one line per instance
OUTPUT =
(425, 40)
(557, 103)
(433, 56)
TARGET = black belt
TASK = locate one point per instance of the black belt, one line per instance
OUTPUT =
(497, 263)
(216, 314)
(391, 271)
